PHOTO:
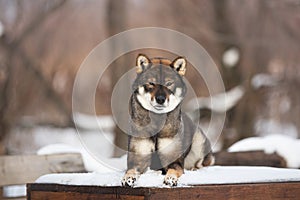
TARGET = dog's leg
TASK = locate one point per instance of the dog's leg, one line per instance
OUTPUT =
(139, 158)
(175, 170)
(171, 155)
(208, 160)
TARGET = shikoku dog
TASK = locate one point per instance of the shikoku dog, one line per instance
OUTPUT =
(158, 126)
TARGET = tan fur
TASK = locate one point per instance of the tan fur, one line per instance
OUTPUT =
(177, 172)
(163, 61)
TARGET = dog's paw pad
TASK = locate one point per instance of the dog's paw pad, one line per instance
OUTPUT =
(171, 180)
(128, 181)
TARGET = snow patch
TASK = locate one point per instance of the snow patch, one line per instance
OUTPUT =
(219, 102)
(93, 122)
(231, 57)
(263, 80)
(57, 149)
(287, 147)
(270, 126)
(207, 175)
(1, 29)
(14, 191)
(91, 162)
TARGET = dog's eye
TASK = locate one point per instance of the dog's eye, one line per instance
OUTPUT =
(169, 83)
(149, 86)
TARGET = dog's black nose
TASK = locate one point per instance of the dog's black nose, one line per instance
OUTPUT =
(160, 99)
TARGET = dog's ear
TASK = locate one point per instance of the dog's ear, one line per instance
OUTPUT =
(179, 64)
(142, 63)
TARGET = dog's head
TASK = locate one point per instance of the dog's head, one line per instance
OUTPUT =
(159, 86)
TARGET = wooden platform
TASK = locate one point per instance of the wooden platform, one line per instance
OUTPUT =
(266, 191)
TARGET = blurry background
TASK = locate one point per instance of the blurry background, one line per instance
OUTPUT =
(254, 43)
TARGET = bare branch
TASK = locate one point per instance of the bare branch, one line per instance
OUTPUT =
(35, 24)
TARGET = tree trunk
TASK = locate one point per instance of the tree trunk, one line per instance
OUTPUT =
(240, 118)
(116, 24)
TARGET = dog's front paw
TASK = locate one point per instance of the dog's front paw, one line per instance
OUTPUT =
(130, 178)
(128, 181)
(171, 180)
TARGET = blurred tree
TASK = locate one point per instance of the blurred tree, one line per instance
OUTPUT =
(116, 23)
(15, 96)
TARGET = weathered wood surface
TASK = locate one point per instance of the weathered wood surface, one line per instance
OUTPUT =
(14, 198)
(266, 191)
(16, 170)
(249, 158)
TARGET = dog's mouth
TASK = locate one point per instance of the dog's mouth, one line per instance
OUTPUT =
(159, 107)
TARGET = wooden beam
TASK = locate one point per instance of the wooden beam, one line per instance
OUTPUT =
(266, 191)
(249, 158)
(15, 170)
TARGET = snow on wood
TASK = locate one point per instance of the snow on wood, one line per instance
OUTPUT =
(14, 191)
(207, 175)
(92, 163)
(286, 147)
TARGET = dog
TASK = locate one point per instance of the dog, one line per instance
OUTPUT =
(159, 127)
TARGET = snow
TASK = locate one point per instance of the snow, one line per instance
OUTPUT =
(270, 126)
(219, 102)
(231, 57)
(1, 29)
(207, 175)
(91, 162)
(57, 149)
(14, 191)
(91, 122)
(285, 146)
(263, 79)
(29, 140)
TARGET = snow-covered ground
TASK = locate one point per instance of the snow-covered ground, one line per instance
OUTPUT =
(207, 175)
(285, 146)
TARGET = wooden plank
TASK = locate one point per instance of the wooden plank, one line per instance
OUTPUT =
(16, 170)
(114, 192)
(249, 158)
(80, 196)
(266, 191)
